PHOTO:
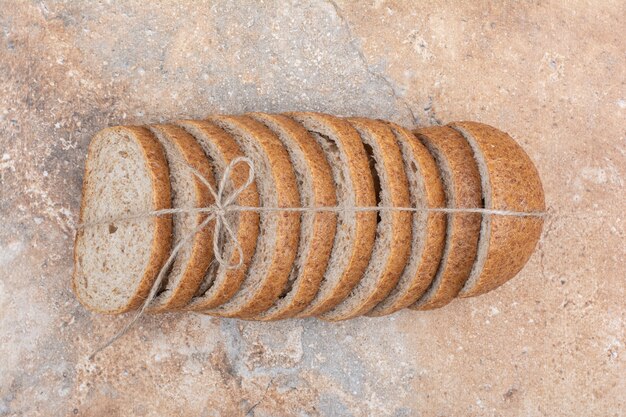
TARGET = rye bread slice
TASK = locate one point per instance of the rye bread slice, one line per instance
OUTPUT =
(316, 188)
(193, 259)
(393, 235)
(510, 182)
(220, 283)
(461, 181)
(276, 248)
(429, 228)
(115, 264)
(354, 239)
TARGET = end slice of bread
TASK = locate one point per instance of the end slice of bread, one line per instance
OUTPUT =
(510, 182)
(393, 235)
(193, 259)
(429, 228)
(115, 264)
(354, 239)
(461, 180)
(317, 231)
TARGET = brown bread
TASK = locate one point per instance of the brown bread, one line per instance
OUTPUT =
(355, 235)
(461, 181)
(510, 182)
(428, 228)
(193, 259)
(316, 189)
(220, 282)
(115, 264)
(268, 274)
(393, 234)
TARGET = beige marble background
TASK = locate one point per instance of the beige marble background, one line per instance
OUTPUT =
(552, 73)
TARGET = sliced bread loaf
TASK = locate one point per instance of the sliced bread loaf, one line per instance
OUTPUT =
(317, 231)
(461, 181)
(393, 235)
(115, 264)
(193, 259)
(276, 248)
(510, 182)
(354, 239)
(220, 282)
(429, 228)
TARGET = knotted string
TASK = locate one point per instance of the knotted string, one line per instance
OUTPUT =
(225, 204)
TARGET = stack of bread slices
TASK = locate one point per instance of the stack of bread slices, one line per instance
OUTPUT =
(474, 202)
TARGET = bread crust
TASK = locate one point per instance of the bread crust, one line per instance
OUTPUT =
(454, 156)
(157, 167)
(388, 158)
(365, 222)
(247, 230)
(511, 182)
(410, 290)
(306, 283)
(287, 233)
(201, 253)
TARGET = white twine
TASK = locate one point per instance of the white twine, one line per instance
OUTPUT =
(224, 204)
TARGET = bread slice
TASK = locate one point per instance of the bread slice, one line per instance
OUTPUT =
(220, 283)
(115, 264)
(192, 260)
(510, 182)
(429, 228)
(276, 249)
(354, 240)
(461, 181)
(393, 234)
(316, 187)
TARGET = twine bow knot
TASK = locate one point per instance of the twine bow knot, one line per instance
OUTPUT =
(222, 205)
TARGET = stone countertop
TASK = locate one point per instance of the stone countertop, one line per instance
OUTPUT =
(551, 73)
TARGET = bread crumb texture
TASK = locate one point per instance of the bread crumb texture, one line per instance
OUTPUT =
(549, 342)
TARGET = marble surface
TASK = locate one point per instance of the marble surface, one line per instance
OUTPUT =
(551, 342)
